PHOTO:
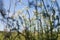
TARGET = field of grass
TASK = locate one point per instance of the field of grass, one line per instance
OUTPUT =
(20, 37)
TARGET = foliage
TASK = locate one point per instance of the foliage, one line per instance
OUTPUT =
(39, 26)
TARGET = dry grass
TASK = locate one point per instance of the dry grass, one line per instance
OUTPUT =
(21, 37)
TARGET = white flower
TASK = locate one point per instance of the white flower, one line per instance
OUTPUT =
(40, 4)
(26, 8)
(34, 11)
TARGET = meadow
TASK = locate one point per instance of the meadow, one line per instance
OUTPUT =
(24, 36)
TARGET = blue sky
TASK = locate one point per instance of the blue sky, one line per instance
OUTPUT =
(18, 7)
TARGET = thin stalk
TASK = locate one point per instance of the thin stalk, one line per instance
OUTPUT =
(49, 19)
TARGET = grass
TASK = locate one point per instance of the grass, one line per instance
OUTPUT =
(20, 37)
